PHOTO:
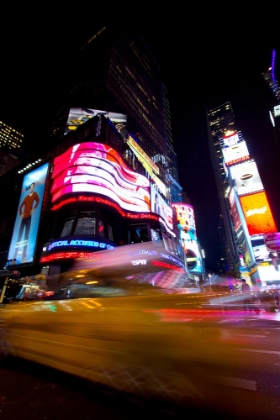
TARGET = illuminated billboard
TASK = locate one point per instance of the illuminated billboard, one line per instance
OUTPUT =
(236, 153)
(78, 116)
(234, 210)
(25, 231)
(98, 169)
(160, 207)
(257, 213)
(230, 140)
(247, 178)
(186, 223)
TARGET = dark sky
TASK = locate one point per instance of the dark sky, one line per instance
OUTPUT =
(204, 64)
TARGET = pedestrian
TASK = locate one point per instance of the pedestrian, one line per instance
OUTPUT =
(248, 302)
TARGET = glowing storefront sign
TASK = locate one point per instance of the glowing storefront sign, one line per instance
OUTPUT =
(108, 203)
(236, 153)
(22, 247)
(79, 242)
(98, 169)
(258, 216)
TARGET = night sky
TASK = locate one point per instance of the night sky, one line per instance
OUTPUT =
(203, 63)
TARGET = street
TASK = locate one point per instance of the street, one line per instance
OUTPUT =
(31, 391)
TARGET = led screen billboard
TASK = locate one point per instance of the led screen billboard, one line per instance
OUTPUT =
(234, 210)
(25, 231)
(78, 116)
(236, 153)
(230, 140)
(98, 169)
(247, 178)
(186, 223)
(257, 213)
(160, 207)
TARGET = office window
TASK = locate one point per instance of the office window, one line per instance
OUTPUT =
(67, 228)
(86, 226)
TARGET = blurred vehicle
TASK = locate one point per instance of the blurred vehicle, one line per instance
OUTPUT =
(133, 331)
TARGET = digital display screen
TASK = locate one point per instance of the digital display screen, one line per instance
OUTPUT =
(247, 178)
(236, 153)
(97, 168)
(26, 226)
(257, 213)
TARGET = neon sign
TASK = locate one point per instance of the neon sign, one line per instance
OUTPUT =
(108, 203)
(79, 242)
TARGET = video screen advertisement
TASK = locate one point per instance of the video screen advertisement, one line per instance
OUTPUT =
(78, 116)
(257, 213)
(247, 178)
(96, 168)
(231, 139)
(160, 207)
(234, 210)
(22, 247)
(186, 221)
(236, 153)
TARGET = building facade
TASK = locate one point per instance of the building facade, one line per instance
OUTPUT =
(245, 211)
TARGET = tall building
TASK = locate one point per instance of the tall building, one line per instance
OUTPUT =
(220, 120)
(270, 78)
(245, 212)
(11, 142)
(115, 71)
(108, 175)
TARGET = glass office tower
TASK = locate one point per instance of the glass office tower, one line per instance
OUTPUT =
(115, 71)
(220, 120)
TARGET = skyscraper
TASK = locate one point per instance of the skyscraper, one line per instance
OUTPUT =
(245, 212)
(115, 71)
(220, 120)
(11, 142)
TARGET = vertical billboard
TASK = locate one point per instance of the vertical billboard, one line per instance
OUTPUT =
(234, 210)
(186, 224)
(257, 213)
(22, 247)
(160, 207)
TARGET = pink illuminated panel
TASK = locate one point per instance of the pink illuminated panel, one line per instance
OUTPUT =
(97, 168)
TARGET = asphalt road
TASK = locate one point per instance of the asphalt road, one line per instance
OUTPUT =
(31, 391)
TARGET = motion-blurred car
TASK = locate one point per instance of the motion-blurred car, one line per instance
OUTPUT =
(131, 335)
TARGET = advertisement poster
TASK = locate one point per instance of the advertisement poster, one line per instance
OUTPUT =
(78, 116)
(97, 168)
(186, 222)
(247, 178)
(234, 210)
(257, 213)
(236, 153)
(25, 231)
(160, 207)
